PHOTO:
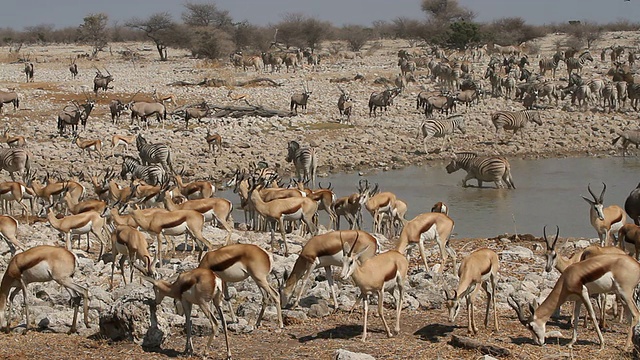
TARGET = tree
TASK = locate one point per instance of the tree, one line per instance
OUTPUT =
(39, 33)
(462, 33)
(158, 27)
(585, 32)
(296, 29)
(446, 11)
(206, 15)
(355, 35)
(93, 31)
(211, 43)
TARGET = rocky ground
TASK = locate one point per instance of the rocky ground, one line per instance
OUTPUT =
(387, 141)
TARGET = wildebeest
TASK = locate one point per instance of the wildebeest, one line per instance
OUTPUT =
(632, 205)
(9, 98)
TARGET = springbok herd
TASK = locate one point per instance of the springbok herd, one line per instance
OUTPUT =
(156, 180)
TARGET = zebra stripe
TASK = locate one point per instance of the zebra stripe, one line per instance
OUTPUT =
(578, 63)
(441, 128)
(304, 160)
(151, 174)
(14, 160)
(154, 153)
(550, 64)
(492, 168)
(514, 120)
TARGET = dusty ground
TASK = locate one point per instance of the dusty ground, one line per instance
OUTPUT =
(388, 141)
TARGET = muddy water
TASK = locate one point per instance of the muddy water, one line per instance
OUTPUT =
(548, 192)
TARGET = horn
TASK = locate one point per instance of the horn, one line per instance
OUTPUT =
(515, 306)
(544, 233)
(557, 234)
(595, 198)
(354, 244)
(604, 188)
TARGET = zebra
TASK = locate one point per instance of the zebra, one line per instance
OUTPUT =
(441, 128)
(304, 160)
(551, 64)
(151, 174)
(154, 153)
(495, 80)
(610, 96)
(577, 63)
(15, 160)
(514, 120)
(491, 168)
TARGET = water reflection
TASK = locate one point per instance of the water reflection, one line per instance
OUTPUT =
(548, 192)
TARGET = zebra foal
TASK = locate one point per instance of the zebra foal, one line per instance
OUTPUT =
(441, 128)
(15, 160)
(491, 168)
(305, 161)
(151, 174)
(514, 120)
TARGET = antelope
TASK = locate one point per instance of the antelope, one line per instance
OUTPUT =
(89, 146)
(194, 190)
(142, 110)
(12, 141)
(132, 244)
(604, 220)
(101, 187)
(598, 275)
(629, 239)
(480, 268)
(101, 81)
(74, 114)
(50, 193)
(294, 208)
(163, 99)
(8, 231)
(14, 191)
(235, 263)
(82, 223)
(350, 207)
(378, 205)
(197, 286)
(217, 209)
(428, 226)
(118, 194)
(118, 220)
(300, 99)
(345, 104)
(195, 112)
(440, 207)
(162, 223)
(213, 140)
(121, 140)
(28, 71)
(9, 97)
(323, 251)
(76, 207)
(116, 108)
(237, 97)
(146, 195)
(325, 198)
(73, 68)
(371, 275)
(42, 263)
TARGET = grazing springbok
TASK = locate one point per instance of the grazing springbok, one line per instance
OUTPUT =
(371, 275)
(429, 226)
(132, 244)
(41, 264)
(324, 251)
(8, 231)
(79, 224)
(478, 269)
(235, 263)
(607, 221)
(602, 274)
(197, 286)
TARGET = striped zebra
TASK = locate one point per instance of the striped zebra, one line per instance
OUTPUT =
(551, 64)
(577, 63)
(441, 128)
(154, 153)
(304, 160)
(15, 160)
(491, 168)
(514, 120)
(151, 174)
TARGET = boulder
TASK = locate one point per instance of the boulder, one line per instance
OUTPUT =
(342, 354)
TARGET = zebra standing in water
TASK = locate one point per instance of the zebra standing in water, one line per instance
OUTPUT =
(304, 160)
(441, 128)
(577, 63)
(15, 160)
(514, 120)
(154, 154)
(551, 64)
(151, 174)
(491, 168)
